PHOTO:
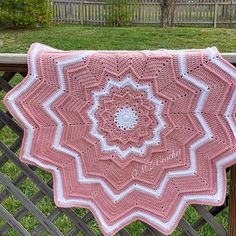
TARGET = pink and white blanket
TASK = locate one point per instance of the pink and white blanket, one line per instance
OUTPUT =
(130, 135)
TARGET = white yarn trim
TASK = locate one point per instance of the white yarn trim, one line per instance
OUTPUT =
(126, 118)
(166, 226)
(229, 111)
(128, 81)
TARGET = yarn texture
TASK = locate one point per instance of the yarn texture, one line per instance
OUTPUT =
(130, 135)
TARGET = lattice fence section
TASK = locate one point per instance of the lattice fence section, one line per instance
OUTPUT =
(26, 195)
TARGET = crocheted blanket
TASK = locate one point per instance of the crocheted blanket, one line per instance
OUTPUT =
(130, 135)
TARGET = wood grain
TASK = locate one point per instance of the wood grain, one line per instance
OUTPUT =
(12, 59)
(232, 202)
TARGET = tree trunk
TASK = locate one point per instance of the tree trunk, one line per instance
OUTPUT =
(172, 13)
(167, 12)
(164, 13)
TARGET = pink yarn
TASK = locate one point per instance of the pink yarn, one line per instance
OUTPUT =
(129, 135)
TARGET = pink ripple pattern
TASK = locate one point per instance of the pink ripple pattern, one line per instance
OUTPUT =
(130, 135)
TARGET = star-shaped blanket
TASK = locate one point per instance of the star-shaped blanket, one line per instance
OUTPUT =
(131, 135)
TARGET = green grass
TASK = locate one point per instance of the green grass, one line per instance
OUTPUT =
(124, 38)
(102, 38)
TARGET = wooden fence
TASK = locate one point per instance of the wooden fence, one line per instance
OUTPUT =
(146, 12)
(12, 220)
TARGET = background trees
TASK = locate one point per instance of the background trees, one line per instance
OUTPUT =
(24, 13)
(119, 12)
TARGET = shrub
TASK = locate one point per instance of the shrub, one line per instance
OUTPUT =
(119, 12)
(24, 13)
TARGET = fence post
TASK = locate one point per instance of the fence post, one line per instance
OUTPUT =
(232, 202)
(215, 14)
(81, 12)
(230, 13)
(51, 6)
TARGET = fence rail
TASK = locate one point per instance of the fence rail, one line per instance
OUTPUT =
(146, 12)
(21, 59)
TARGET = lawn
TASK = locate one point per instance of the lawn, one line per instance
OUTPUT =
(127, 38)
(103, 38)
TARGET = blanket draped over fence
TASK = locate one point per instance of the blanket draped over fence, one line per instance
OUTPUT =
(131, 135)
